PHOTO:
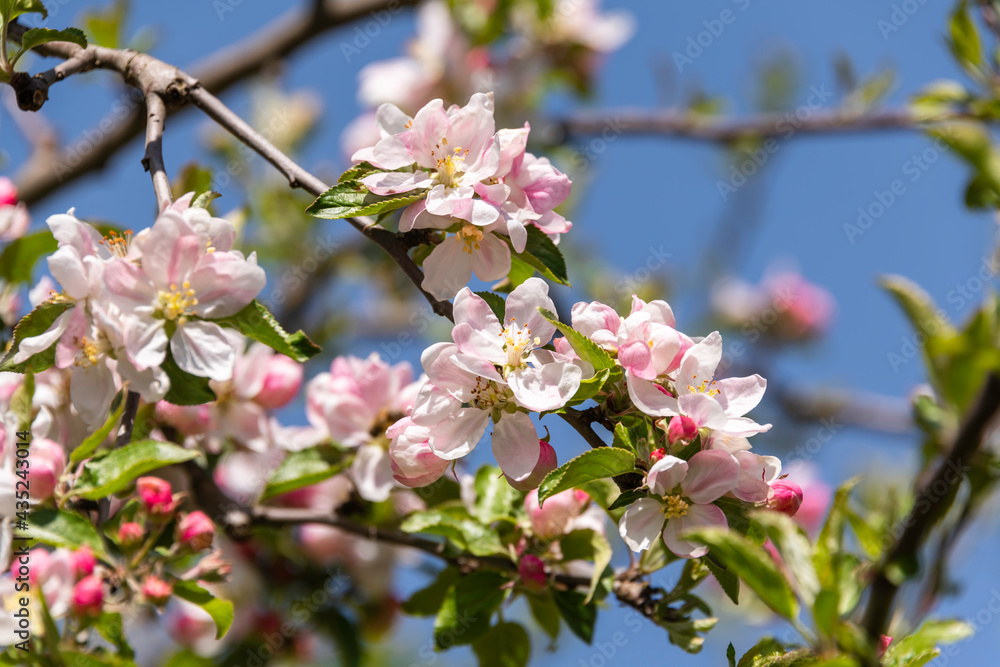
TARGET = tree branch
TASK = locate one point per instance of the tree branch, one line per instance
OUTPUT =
(217, 73)
(928, 506)
(728, 130)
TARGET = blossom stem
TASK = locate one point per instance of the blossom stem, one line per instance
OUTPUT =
(156, 114)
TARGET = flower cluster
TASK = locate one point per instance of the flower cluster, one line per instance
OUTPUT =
(502, 369)
(479, 183)
(129, 303)
(497, 369)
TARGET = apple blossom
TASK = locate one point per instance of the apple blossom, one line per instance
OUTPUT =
(547, 462)
(83, 561)
(354, 403)
(195, 531)
(48, 459)
(156, 496)
(413, 461)
(88, 596)
(785, 497)
(715, 404)
(130, 534)
(496, 371)
(156, 590)
(681, 429)
(282, 379)
(682, 493)
(14, 219)
(559, 513)
(531, 571)
(183, 281)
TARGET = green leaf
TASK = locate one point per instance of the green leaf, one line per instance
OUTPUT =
(21, 401)
(205, 199)
(731, 655)
(221, 611)
(826, 611)
(626, 498)
(34, 324)
(965, 42)
(793, 544)
(114, 472)
(468, 606)
(94, 440)
(930, 635)
(185, 389)
(728, 580)
(349, 199)
(357, 172)
(495, 498)
(80, 659)
(592, 464)
(257, 323)
(427, 601)
(109, 625)
(188, 659)
(505, 645)
(19, 258)
(544, 255)
(11, 9)
(579, 617)
(766, 647)
(301, 469)
(829, 545)
(65, 529)
(38, 36)
(457, 525)
(545, 612)
(591, 546)
(753, 565)
(495, 302)
(519, 272)
(590, 387)
(583, 346)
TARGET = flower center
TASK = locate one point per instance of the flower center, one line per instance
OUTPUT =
(486, 395)
(704, 388)
(450, 163)
(118, 243)
(88, 353)
(177, 304)
(676, 507)
(517, 341)
(471, 235)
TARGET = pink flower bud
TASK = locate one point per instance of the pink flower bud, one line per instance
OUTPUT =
(281, 383)
(87, 596)
(156, 590)
(157, 496)
(546, 463)
(681, 429)
(196, 530)
(83, 561)
(531, 569)
(48, 459)
(785, 496)
(130, 534)
(883, 644)
(554, 518)
(8, 192)
(657, 454)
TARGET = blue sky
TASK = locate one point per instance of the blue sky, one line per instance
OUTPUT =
(810, 188)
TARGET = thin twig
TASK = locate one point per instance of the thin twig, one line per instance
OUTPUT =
(156, 114)
(928, 506)
(217, 73)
